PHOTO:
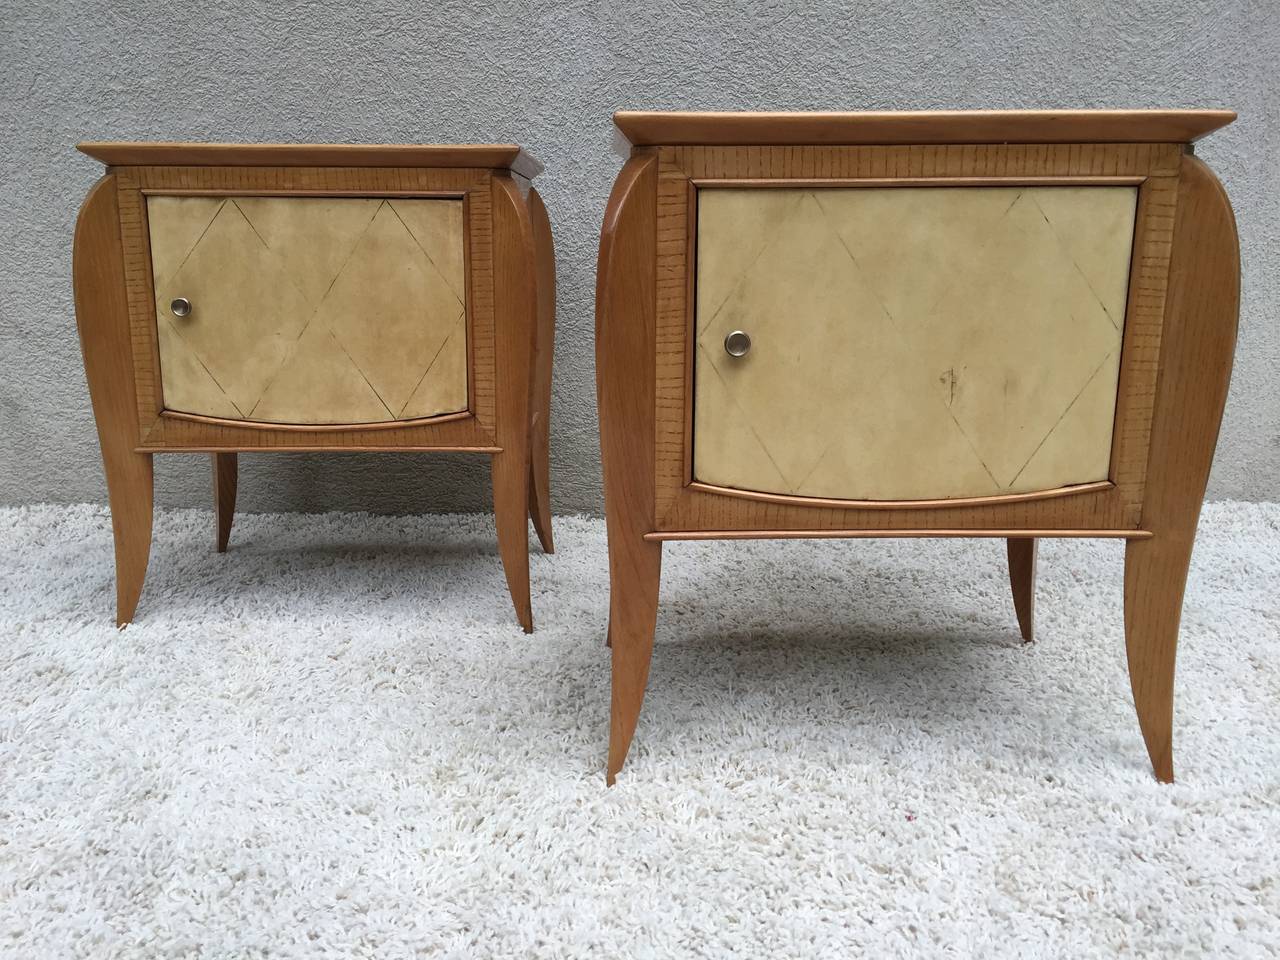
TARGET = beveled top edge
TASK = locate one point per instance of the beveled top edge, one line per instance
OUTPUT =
(679, 128)
(501, 156)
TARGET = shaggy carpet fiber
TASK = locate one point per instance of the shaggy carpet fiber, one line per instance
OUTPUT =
(334, 741)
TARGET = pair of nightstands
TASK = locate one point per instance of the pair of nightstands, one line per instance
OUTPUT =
(1015, 325)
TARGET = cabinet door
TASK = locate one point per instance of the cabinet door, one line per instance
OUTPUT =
(310, 310)
(909, 342)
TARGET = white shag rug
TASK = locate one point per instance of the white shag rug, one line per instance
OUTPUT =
(334, 741)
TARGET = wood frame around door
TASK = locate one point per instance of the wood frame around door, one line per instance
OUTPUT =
(1111, 506)
(160, 429)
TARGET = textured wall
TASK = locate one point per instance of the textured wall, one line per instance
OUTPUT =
(548, 75)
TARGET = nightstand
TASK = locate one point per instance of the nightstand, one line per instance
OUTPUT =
(278, 298)
(979, 324)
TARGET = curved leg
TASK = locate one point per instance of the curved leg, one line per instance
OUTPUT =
(515, 301)
(635, 568)
(1201, 310)
(1155, 574)
(540, 505)
(1022, 578)
(224, 495)
(129, 489)
(102, 316)
(510, 503)
(540, 398)
(626, 283)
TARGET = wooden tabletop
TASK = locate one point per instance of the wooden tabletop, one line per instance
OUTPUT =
(674, 128)
(502, 156)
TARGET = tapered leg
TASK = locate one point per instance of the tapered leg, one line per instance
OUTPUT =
(129, 489)
(1022, 578)
(540, 396)
(540, 500)
(510, 503)
(1198, 339)
(516, 314)
(225, 470)
(1155, 575)
(626, 278)
(102, 317)
(635, 571)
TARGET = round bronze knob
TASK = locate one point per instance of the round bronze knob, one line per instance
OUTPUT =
(181, 307)
(737, 344)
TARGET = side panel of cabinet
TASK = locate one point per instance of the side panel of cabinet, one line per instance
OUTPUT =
(909, 342)
(310, 310)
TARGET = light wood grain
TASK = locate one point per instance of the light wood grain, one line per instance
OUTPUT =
(625, 356)
(516, 305)
(1195, 371)
(494, 155)
(225, 479)
(683, 507)
(1022, 579)
(102, 317)
(925, 126)
(544, 351)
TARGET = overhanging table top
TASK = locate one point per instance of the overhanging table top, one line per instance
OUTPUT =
(675, 128)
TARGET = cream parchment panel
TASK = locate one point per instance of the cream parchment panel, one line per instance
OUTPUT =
(311, 310)
(909, 342)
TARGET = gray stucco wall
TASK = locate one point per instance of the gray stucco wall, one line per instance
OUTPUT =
(548, 75)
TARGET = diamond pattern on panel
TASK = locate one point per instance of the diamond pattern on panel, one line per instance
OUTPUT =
(313, 238)
(311, 310)
(177, 224)
(246, 314)
(722, 266)
(319, 369)
(1012, 354)
(438, 231)
(910, 343)
(376, 304)
(444, 384)
(193, 386)
(794, 343)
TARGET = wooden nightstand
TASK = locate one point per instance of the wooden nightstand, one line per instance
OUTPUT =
(305, 297)
(1013, 325)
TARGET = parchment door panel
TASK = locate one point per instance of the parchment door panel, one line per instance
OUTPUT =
(909, 342)
(310, 310)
